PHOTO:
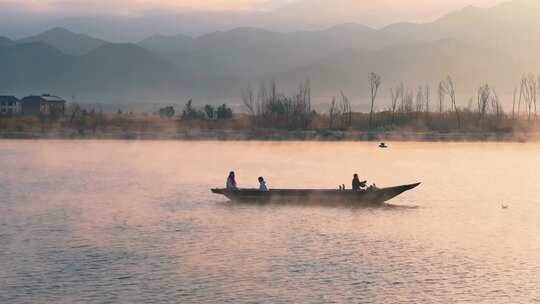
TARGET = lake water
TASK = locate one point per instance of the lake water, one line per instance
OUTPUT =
(134, 222)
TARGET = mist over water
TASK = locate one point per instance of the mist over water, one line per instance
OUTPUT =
(135, 222)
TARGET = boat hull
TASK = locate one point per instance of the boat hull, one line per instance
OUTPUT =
(371, 197)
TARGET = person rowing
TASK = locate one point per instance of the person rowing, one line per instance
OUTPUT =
(357, 185)
(231, 182)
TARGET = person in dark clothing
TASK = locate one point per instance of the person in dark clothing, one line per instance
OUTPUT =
(357, 185)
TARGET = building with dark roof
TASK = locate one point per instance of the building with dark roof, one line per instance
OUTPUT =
(44, 105)
(9, 106)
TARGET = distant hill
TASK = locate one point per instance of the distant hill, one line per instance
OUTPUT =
(417, 64)
(472, 45)
(5, 41)
(324, 12)
(112, 73)
(168, 44)
(507, 28)
(35, 66)
(250, 52)
(66, 41)
(108, 74)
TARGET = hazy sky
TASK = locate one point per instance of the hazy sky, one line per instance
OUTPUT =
(417, 8)
(130, 6)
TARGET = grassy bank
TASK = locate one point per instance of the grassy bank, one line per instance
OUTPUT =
(387, 127)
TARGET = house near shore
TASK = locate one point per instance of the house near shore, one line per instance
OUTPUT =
(44, 105)
(10, 106)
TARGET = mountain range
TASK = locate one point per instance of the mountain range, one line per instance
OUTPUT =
(473, 45)
(117, 21)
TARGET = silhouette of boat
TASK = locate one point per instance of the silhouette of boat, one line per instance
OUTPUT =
(364, 197)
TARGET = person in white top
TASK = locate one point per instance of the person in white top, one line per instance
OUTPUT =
(262, 184)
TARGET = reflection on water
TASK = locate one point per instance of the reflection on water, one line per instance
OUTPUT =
(134, 222)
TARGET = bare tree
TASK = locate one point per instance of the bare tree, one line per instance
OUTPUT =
(496, 106)
(303, 104)
(395, 95)
(346, 111)
(528, 91)
(535, 94)
(273, 91)
(408, 101)
(533, 89)
(374, 84)
(483, 99)
(248, 99)
(522, 92)
(340, 113)
(276, 110)
(420, 101)
(100, 116)
(74, 109)
(449, 89)
(333, 112)
(427, 95)
(440, 91)
(262, 98)
(514, 104)
(488, 100)
(307, 94)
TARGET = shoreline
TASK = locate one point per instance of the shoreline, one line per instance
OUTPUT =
(326, 136)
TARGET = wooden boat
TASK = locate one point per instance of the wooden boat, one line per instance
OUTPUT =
(364, 197)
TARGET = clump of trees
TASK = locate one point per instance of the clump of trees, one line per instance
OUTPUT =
(488, 101)
(413, 108)
(340, 113)
(223, 112)
(167, 112)
(83, 120)
(410, 108)
(192, 113)
(272, 109)
(208, 112)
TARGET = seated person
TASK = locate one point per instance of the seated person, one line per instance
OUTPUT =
(231, 182)
(357, 185)
(262, 184)
(373, 188)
